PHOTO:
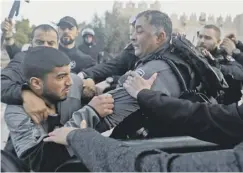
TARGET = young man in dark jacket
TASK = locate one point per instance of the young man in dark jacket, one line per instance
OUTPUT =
(68, 31)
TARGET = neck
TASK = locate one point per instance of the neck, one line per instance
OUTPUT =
(48, 102)
(70, 46)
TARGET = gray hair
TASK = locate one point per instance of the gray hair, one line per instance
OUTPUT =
(158, 20)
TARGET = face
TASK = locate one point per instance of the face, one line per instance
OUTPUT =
(45, 38)
(67, 33)
(55, 86)
(88, 39)
(208, 39)
(144, 39)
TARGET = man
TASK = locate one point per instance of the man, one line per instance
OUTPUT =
(222, 55)
(151, 42)
(68, 31)
(12, 75)
(48, 75)
(89, 46)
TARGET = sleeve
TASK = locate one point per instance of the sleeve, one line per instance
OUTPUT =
(233, 69)
(11, 83)
(12, 50)
(102, 154)
(221, 124)
(239, 46)
(239, 58)
(117, 66)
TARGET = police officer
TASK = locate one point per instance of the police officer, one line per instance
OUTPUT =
(68, 31)
(221, 55)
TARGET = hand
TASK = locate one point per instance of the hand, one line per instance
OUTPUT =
(60, 135)
(135, 83)
(232, 37)
(35, 107)
(103, 104)
(228, 45)
(7, 27)
(207, 54)
(89, 90)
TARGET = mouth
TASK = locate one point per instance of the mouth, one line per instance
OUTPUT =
(135, 46)
(66, 90)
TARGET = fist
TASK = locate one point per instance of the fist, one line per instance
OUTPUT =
(103, 104)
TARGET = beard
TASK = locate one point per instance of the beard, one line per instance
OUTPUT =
(51, 96)
(66, 40)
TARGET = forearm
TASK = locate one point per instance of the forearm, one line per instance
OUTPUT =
(12, 49)
(11, 92)
(102, 154)
(212, 122)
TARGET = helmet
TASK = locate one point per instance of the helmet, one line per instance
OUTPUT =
(88, 31)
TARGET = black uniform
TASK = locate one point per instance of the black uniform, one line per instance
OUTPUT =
(12, 50)
(233, 73)
(116, 67)
(102, 154)
(79, 60)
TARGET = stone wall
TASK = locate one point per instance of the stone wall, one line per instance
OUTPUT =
(187, 24)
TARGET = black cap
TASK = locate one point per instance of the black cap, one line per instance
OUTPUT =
(68, 20)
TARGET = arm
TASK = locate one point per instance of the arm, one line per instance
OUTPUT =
(239, 58)
(233, 69)
(12, 81)
(211, 122)
(102, 154)
(12, 50)
(239, 45)
(117, 66)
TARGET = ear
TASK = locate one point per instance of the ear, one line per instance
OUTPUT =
(36, 83)
(161, 37)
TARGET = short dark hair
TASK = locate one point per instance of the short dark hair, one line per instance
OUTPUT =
(215, 28)
(45, 28)
(41, 60)
(158, 20)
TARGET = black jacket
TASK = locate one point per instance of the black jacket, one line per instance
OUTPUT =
(12, 81)
(102, 154)
(118, 66)
(12, 50)
(168, 116)
(79, 60)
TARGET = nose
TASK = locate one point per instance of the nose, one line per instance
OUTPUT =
(133, 36)
(66, 30)
(69, 81)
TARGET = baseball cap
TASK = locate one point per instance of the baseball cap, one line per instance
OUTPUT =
(68, 20)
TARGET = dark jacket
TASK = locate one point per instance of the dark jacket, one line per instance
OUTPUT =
(12, 50)
(233, 73)
(211, 122)
(12, 81)
(124, 62)
(79, 60)
(102, 154)
(92, 50)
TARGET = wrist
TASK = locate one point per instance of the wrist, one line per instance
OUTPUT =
(9, 41)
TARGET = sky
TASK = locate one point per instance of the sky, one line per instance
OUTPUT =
(47, 11)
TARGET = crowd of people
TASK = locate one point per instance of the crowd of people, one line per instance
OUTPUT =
(56, 108)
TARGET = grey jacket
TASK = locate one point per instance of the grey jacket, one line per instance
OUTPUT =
(25, 134)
